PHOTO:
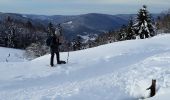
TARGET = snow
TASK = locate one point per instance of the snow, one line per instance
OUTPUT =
(11, 55)
(24, 16)
(70, 22)
(88, 37)
(116, 71)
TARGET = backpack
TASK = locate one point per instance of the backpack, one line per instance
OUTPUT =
(49, 40)
(58, 32)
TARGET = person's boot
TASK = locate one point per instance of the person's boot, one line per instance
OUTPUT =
(61, 62)
(52, 65)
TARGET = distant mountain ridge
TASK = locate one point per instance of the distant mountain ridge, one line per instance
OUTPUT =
(92, 23)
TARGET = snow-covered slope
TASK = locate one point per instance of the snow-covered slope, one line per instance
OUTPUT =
(117, 71)
(11, 55)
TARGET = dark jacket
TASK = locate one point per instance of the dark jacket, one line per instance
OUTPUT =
(54, 46)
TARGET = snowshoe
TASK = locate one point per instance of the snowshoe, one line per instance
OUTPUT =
(61, 62)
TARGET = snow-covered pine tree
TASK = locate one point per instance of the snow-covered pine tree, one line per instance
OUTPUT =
(144, 27)
(11, 37)
(10, 32)
(130, 31)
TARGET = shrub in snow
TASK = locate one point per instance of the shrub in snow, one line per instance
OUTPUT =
(36, 50)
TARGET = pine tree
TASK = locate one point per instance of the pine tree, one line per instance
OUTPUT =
(78, 42)
(163, 22)
(10, 32)
(60, 29)
(130, 31)
(11, 36)
(29, 24)
(74, 45)
(123, 33)
(144, 27)
(51, 29)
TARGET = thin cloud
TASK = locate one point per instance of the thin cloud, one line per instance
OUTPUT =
(80, 6)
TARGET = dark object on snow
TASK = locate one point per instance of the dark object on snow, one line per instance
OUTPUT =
(152, 88)
(62, 62)
(54, 48)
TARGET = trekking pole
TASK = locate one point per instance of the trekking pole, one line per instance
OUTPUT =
(67, 57)
(68, 51)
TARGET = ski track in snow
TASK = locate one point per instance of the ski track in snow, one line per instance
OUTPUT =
(117, 71)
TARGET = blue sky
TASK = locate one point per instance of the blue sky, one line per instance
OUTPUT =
(75, 7)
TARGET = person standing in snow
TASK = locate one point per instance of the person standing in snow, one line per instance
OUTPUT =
(54, 46)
